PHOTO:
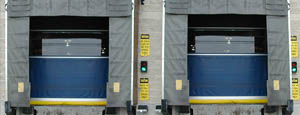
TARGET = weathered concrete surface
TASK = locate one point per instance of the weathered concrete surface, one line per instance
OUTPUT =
(150, 22)
(69, 110)
(2, 57)
(296, 109)
(295, 30)
(227, 109)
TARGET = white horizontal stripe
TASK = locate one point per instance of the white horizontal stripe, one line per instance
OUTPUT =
(228, 54)
(66, 30)
(227, 97)
(67, 57)
(69, 99)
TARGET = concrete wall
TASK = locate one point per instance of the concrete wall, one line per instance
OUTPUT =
(2, 58)
(295, 30)
(150, 22)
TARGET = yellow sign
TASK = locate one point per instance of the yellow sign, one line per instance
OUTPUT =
(294, 49)
(276, 85)
(20, 87)
(295, 89)
(145, 45)
(144, 89)
(116, 87)
(178, 84)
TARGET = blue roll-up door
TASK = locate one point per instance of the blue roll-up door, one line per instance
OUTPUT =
(221, 75)
(227, 69)
(68, 77)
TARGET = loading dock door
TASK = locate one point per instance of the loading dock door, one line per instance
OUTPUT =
(228, 78)
(68, 80)
(225, 69)
(68, 67)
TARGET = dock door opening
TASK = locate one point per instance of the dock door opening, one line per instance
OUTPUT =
(68, 60)
(227, 60)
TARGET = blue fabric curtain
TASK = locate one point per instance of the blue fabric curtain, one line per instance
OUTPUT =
(227, 75)
(68, 77)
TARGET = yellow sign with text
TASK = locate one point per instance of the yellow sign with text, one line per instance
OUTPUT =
(294, 49)
(145, 45)
(295, 89)
(144, 89)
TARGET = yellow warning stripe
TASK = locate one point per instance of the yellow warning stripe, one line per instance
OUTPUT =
(96, 103)
(229, 101)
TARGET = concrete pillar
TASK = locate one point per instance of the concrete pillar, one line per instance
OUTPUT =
(295, 30)
(150, 22)
(2, 57)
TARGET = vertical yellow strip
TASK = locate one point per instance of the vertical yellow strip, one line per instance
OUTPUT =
(144, 89)
(294, 46)
(145, 45)
(295, 89)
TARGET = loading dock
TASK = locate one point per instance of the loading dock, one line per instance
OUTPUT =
(227, 60)
(70, 53)
(68, 61)
(209, 44)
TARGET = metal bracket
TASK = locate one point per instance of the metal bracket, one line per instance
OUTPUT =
(142, 2)
(158, 108)
(132, 6)
(110, 110)
(270, 109)
(28, 110)
(164, 107)
(5, 6)
(130, 108)
(289, 109)
(8, 108)
(142, 108)
(184, 109)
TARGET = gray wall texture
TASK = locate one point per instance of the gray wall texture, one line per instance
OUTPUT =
(2, 57)
(150, 22)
